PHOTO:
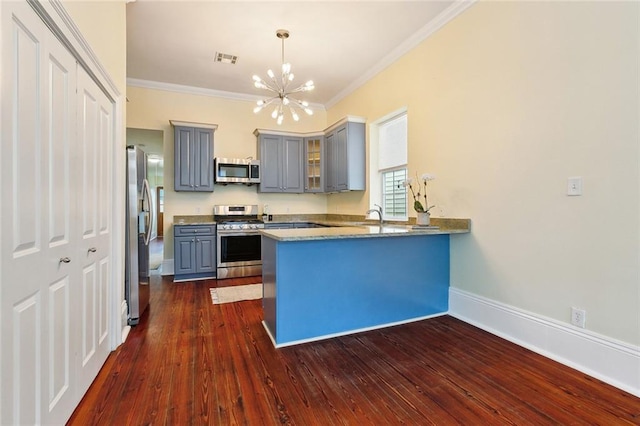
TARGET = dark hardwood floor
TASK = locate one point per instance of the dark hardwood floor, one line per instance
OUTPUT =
(190, 362)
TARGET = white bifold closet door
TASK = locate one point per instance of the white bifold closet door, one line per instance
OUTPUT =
(55, 227)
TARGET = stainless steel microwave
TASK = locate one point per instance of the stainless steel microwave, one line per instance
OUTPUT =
(237, 170)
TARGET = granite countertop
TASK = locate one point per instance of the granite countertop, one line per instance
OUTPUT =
(342, 227)
(194, 220)
(359, 231)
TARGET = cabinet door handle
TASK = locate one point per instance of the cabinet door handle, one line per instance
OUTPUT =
(92, 250)
(192, 240)
(197, 240)
(65, 260)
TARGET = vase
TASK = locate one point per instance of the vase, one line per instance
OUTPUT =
(423, 219)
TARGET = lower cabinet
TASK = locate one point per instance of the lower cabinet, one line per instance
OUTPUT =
(291, 225)
(194, 252)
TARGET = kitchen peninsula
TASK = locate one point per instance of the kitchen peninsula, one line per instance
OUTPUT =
(325, 282)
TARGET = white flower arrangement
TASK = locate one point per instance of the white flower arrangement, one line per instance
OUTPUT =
(420, 191)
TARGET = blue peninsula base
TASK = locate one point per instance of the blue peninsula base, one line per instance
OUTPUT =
(322, 288)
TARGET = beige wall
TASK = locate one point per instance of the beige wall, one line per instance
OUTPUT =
(104, 25)
(504, 104)
(152, 109)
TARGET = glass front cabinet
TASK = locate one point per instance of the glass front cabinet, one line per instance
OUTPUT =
(314, 163)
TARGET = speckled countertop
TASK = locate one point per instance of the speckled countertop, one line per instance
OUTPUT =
(343, 226)
(194, 220)
(359, 231)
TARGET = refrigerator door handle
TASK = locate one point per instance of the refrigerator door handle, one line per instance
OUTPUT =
(147, 195)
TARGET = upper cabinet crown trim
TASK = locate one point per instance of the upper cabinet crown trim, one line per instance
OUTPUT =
(259, 132)
(176, 123)
(347, 119)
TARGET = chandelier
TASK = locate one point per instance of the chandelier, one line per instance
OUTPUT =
(281, 97)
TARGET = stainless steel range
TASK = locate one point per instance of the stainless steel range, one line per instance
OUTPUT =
(238, 241)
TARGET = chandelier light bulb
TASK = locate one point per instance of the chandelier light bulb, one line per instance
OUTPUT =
(279, 88)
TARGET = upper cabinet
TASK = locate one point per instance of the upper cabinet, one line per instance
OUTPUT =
(314, 164)
(193, 156)
(345, 156)
(329, 161)
(280, 162)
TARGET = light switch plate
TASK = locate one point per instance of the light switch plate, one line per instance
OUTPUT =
(574, 185)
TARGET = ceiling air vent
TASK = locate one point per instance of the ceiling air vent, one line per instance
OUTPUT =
(225, 58)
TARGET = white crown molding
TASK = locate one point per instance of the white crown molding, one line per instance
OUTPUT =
(418, 37)
(607, 359)
(200, 91)
(56, 17)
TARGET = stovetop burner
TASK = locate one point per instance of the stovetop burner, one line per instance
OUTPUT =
(237, 217)
(239, 226)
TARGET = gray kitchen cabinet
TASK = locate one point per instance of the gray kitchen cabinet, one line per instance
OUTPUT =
(193, 156)
(280, 162)
(194, 252)
(291, 225)
(345, 157)
(314, 169)
(278, 225)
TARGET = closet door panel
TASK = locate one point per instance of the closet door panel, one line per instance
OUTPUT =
(62, 235)
(38, 252)
(95, 128)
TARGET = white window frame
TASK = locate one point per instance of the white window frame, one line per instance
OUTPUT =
(375, 175)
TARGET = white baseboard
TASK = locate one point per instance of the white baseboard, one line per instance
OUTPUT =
(124, 309)
(606, 359)
(167, 267)
(125, 333)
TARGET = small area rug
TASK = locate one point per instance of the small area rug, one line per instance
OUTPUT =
(236, 293)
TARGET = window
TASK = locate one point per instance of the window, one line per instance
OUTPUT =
(394, 202)
(389, 159)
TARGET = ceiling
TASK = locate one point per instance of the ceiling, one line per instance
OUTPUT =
(337, 44)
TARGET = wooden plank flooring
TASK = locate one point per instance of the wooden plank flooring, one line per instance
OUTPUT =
(190, 362)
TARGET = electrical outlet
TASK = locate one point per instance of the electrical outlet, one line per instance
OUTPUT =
(574, 186)
(578, 317)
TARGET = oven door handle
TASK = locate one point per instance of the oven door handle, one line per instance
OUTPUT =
(235, 233)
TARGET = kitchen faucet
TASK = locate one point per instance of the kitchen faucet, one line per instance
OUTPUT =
(378, 210)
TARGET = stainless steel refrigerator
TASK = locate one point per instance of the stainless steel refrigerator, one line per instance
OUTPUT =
(138, 234)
